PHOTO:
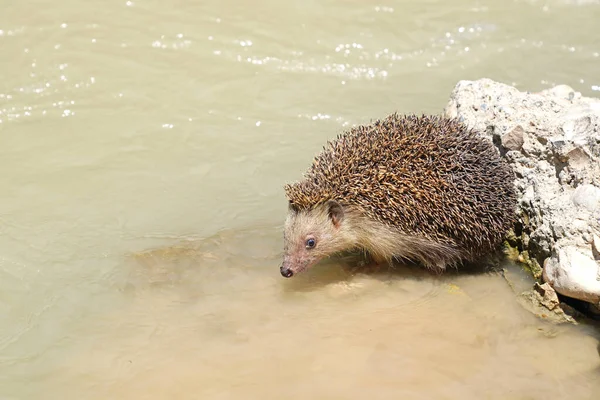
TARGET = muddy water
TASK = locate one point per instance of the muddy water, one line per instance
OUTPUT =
(144, 149)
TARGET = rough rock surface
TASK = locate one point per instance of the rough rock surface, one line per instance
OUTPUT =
(543, 302)
(552, 141)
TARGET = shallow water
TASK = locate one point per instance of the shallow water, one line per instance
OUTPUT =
(144, 149)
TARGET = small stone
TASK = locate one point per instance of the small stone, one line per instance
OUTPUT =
(561, 91)
(573, 274)
(514, 139)
(573, 129)
(543, 302)
(587, 196)
(578, 158)
(549, 297)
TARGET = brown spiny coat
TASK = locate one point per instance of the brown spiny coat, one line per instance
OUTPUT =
(425, 188)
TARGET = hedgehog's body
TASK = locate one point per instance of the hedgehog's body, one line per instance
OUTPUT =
(427, 189)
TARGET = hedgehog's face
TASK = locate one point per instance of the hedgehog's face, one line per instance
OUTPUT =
(310, 236)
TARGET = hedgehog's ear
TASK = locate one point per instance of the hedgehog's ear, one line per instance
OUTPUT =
(336, 212)
(292, 207)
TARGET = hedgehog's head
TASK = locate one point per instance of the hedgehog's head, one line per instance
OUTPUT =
(311, 235)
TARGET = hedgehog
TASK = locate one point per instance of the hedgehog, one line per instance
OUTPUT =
(424, 189)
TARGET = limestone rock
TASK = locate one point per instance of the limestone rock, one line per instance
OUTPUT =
(574, 274)
(587, 196)
(552, 141)
(543, 302)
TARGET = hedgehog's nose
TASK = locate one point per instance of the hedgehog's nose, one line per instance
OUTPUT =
(286, 272)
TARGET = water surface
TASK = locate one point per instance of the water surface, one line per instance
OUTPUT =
(144, 149)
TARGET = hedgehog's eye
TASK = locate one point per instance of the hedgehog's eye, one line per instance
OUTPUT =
(310, 243)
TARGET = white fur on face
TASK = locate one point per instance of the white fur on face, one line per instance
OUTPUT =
(316, 224)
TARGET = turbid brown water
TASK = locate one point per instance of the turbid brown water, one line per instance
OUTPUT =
(144, 149)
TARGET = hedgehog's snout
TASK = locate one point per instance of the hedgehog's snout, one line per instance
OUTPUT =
(286, 272)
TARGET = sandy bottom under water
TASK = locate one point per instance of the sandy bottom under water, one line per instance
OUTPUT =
(214, 320)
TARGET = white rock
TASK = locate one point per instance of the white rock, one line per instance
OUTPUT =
(576, 129)
(587, 196)
(561, 91)
(552, 141)
(573, 274)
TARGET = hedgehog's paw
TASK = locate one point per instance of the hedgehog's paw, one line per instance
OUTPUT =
(437, 268)
(369, 266)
